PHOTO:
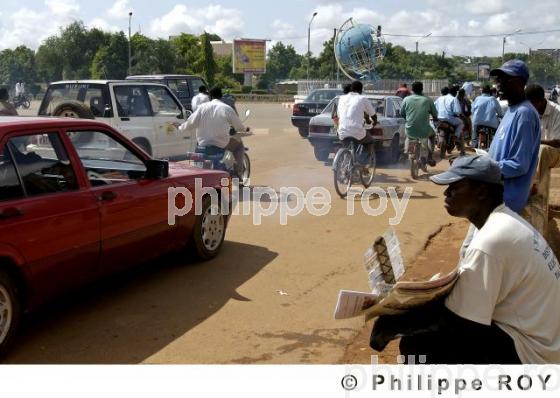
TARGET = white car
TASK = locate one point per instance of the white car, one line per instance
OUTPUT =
(388, 133)
(147, 113)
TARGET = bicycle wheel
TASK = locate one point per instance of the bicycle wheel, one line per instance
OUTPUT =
(414, 168)
(343, 168)
(367, 172)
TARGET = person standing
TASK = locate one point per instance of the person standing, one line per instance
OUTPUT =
(201, 98)
(516, 144)
(403, 91)
(549, 155)
(416, 110)
(486, 110)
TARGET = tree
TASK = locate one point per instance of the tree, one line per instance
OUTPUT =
(48, 60)
(209, 64)
(281, 61)
(152, 56)
(188, 50)
(111, 62)
(18, 64)
(224, 74)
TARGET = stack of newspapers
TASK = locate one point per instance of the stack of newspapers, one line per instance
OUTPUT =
(389, 295)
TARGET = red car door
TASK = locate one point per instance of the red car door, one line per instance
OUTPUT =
(50, 217)
(133, 209)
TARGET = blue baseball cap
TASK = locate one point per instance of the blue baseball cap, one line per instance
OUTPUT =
(514, 67)
(478, 168)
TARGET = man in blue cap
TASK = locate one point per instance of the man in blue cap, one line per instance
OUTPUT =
(516, 143)
(499, 310)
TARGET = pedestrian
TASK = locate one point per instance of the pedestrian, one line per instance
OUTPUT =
(352, 109)
(549, 155)
(6, 107)
(502, 308)
(416, 110)
(201, 98)
(486, 110)
(466, 110)
(403, 91)
(516, 143)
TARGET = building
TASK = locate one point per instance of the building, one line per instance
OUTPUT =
(553, 53)
(222, 49)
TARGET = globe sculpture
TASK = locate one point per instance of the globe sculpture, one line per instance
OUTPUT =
(358, 50)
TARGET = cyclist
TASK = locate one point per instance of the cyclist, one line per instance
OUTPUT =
(416, 109)
(351, 111)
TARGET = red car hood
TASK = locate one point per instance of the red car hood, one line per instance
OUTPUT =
(210, 177)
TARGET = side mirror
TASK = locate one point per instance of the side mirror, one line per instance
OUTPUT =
(157, 169)
(188, 114)
(107, 111)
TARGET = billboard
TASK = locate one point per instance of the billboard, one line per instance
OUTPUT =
(249, 56)
(483, 71)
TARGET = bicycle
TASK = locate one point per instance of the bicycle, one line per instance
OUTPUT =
(347, 167)
(21, 101)
(417, 161)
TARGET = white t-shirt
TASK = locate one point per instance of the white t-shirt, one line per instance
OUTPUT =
(550, 122)
(199, 99)
(351, 109)
(212, 122)
(509, 275)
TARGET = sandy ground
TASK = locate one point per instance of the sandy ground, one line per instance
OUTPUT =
(269, 296)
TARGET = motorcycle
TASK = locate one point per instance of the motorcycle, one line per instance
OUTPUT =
(485, 136)
(21, 101)
(446, 138)
(213, 157)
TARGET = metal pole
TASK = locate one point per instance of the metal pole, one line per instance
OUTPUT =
(416, 47)
(129, 46)
(333, 56)
(503, 49)
(309, 43)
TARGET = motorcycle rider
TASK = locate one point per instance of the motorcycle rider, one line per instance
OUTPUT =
(466, 110)
(486, 110)
(449, 110)
(352, 108)
(212, 121)
(416, 110)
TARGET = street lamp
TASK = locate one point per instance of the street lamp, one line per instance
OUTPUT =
(423, 37)
(129, 49)
(309, 43)
(504, 42)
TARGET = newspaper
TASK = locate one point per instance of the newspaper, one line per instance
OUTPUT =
(385, 266)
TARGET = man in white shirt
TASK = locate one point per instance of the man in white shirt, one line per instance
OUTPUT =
(199, 99)
(212, 121)
(352, 110)
(549, 155)
(449, 110)
(502, 309)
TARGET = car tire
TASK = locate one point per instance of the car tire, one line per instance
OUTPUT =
(73, 109)
(10, 310)
(208, 232)
(303, 132)
(322, 152)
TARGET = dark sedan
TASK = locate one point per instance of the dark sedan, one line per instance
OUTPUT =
(313, 105)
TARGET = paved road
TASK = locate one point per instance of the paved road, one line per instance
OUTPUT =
(268, 298)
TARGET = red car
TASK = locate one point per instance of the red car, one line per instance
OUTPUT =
(79, 201)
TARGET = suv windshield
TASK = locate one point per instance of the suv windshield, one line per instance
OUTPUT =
(93, 96)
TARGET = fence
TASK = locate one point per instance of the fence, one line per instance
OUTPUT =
(383, 86)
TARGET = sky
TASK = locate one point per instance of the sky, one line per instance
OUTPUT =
(29, 22)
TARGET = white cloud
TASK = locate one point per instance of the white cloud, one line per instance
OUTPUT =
(119, 9)
(473, 24)
(487, 7)
(103, 25)
(62, 7)
(225, 22)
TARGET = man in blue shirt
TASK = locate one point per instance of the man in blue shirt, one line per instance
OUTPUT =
(486, 110)
(516, 144)
(449, 110)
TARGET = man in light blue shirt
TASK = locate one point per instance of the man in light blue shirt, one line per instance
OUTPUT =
(516, 144)
(449, 110)
(439, 101)
(486, 110)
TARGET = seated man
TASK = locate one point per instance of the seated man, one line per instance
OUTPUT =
(449, 110)
(499, 310)
(549, 154)
(486, 110)
(212, 121)
(352, 108)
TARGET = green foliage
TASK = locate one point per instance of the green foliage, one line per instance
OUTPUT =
(18, 64)
(209, 65)
(281, 60)
(152, 56)
(111, 62)
(246, 89)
